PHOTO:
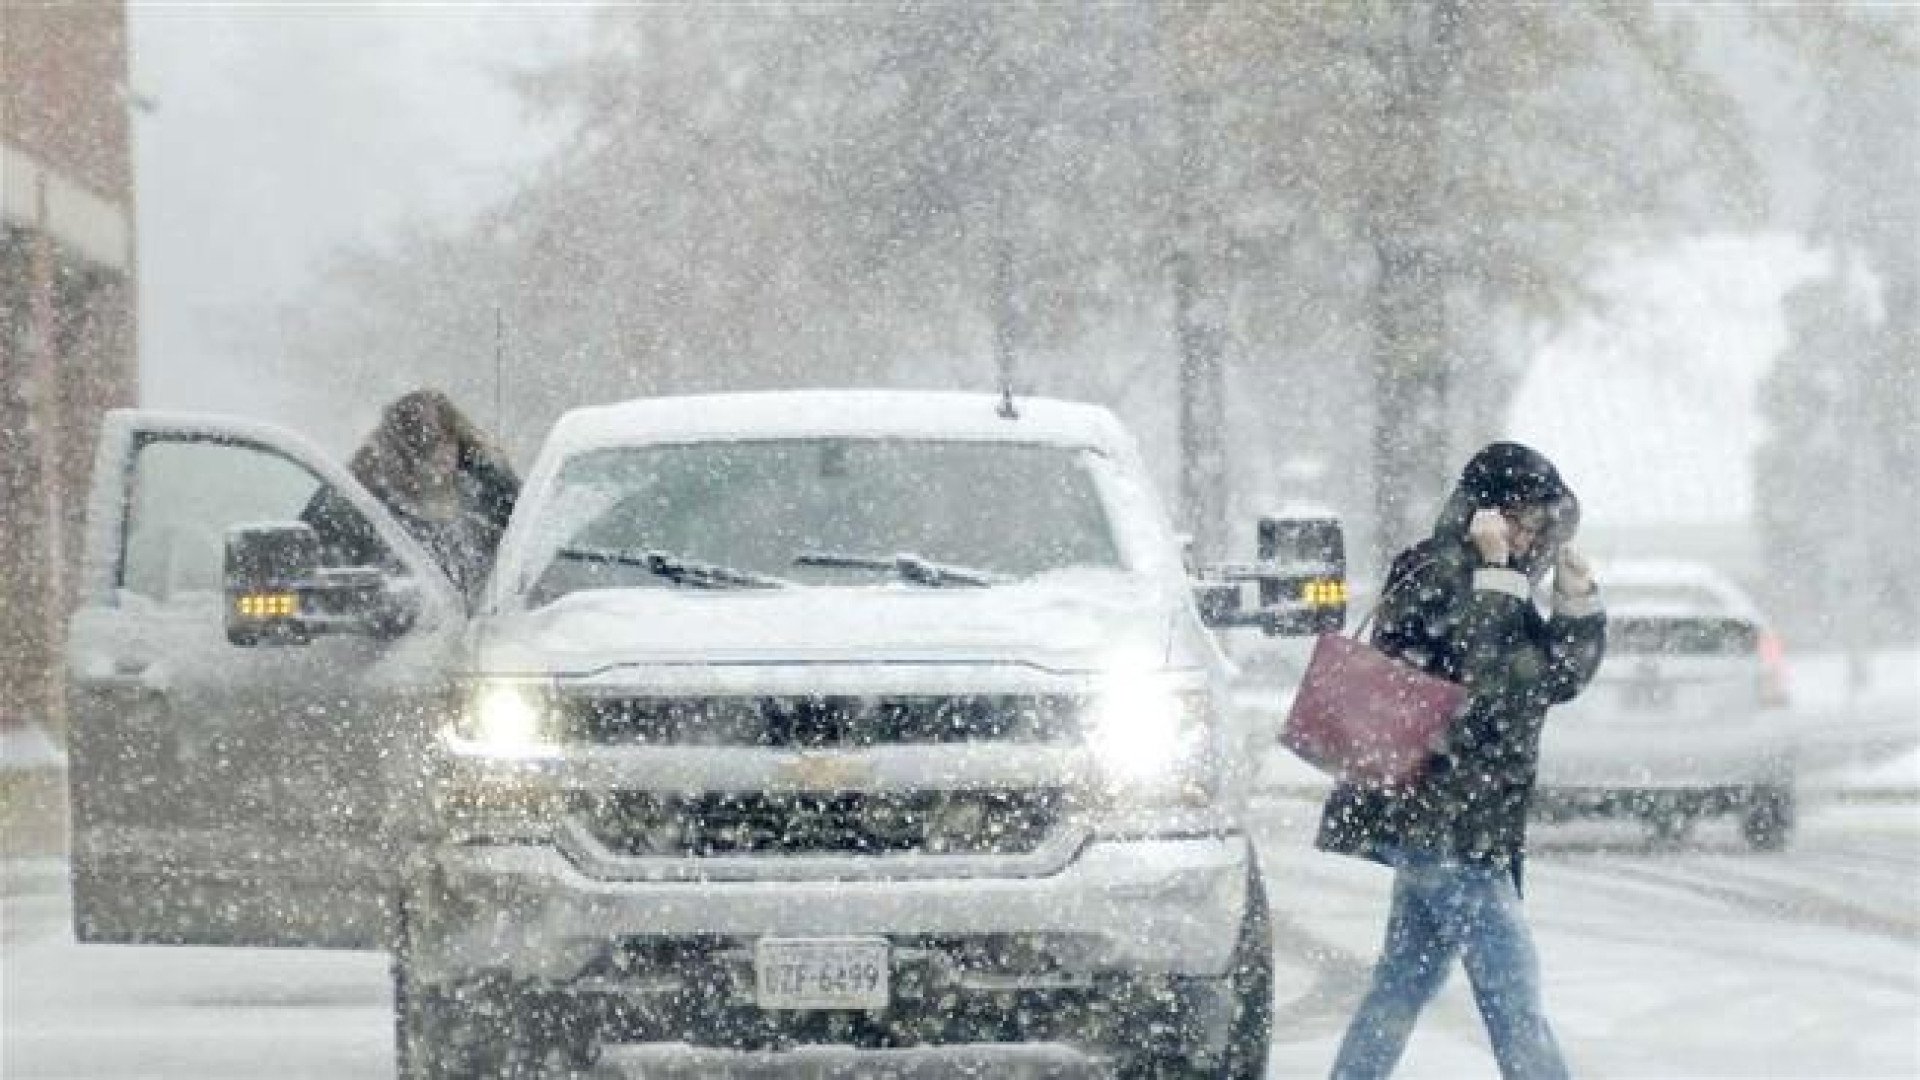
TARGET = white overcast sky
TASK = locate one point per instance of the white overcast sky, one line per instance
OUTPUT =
(279, 133)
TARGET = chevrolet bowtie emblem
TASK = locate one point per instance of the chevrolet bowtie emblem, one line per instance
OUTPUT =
(823, 772)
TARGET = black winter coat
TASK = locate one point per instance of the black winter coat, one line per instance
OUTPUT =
(1447, 615)
(464, 547)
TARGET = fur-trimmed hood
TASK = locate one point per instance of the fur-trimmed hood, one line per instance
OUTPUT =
(1503, 476)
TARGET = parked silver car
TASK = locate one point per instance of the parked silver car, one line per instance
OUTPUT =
(1687, 715)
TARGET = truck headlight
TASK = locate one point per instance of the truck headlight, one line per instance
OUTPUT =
(506, 718)
(1151, 738)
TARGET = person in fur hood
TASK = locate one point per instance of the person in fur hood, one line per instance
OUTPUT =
(1460, 604)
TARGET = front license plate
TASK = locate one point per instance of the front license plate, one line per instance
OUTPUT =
(821, 973)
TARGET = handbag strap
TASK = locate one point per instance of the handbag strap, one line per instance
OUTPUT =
(1413, 571)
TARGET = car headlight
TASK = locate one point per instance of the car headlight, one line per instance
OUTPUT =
(506, 718)
(1152, 739)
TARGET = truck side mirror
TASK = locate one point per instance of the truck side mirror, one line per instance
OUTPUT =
(267, 567)
(277, 593)
(1300, 580)
(1313, 600)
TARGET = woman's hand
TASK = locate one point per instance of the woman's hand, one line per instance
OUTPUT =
(1490, 535)
(1572, 573)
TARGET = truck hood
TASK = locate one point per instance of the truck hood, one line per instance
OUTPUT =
(1067, 622)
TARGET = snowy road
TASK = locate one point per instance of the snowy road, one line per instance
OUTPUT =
(1661, 962)
(1694, 961)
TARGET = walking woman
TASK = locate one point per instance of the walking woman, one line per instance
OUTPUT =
(1460, 604)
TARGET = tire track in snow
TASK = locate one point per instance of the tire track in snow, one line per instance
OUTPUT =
(1657, 890)
(1339, 978)
(1773, 897)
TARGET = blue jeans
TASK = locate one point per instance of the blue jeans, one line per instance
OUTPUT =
(1443, 908)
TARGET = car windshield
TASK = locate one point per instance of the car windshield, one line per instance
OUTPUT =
(770, 507)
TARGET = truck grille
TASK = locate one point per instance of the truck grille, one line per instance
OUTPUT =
(648, 825)
(822, 721)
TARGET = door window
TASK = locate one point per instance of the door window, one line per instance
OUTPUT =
(187, 493)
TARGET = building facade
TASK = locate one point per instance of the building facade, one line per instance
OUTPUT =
(67, 333)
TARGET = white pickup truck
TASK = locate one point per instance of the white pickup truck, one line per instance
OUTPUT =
(883, 720)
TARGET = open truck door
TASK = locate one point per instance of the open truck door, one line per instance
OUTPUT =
(247, 723)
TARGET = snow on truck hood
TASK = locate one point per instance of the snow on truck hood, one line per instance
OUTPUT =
(789, 414)
(1072, 623)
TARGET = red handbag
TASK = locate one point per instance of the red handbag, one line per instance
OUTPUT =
(1363, 715)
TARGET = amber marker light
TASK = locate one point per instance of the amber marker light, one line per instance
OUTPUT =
(268, 605)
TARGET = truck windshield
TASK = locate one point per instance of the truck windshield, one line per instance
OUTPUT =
(1010, 510)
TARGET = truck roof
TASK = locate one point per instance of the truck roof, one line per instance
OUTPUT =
(839, 413)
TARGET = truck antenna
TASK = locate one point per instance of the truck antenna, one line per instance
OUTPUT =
(1003, 315)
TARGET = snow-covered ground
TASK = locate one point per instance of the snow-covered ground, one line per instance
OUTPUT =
(1662, 962)
(1700, 960)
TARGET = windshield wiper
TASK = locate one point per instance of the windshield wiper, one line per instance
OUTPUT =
(680, 571)
(909, 566)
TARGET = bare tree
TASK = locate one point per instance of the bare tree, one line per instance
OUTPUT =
(1835, 477)
(801, 193)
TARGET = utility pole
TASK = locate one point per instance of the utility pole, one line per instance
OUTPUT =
(1408, 303)
(44, 451)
